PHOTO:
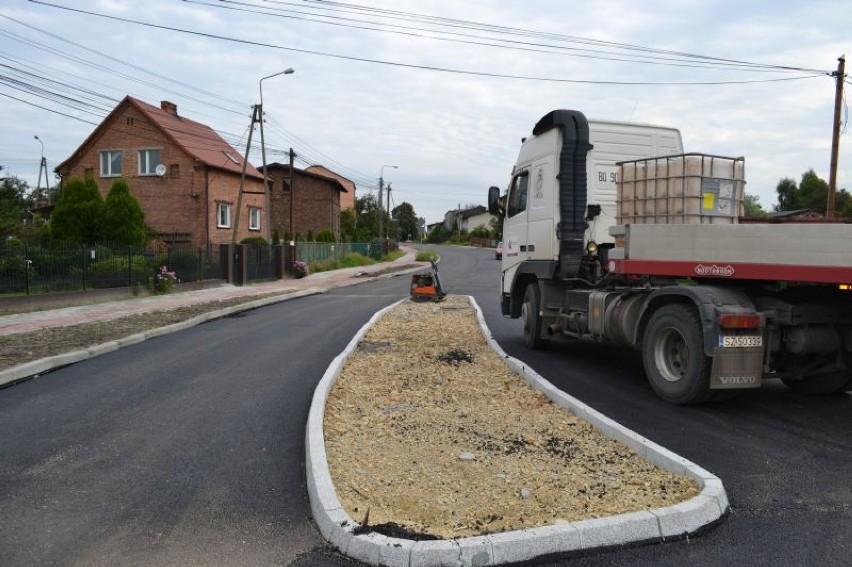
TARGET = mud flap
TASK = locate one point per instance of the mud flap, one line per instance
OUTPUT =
(736, 368)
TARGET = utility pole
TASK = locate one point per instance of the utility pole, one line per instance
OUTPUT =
(266, 204)
(835, 137)
(381, 186)
(256, 117)
(388, 209)
(292, 242)
(292, 155)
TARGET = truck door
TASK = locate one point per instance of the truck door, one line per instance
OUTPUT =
(515, 228)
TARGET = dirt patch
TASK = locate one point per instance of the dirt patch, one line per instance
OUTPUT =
(20, 348)
(432, 435)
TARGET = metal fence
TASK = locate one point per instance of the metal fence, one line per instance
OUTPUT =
(27, 269)
(322, 251)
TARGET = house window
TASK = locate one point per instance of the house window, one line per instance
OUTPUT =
(254, 218)
(223, 215)
(148, 162)
(111, 163)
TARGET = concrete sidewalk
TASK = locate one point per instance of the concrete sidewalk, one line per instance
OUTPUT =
(319, 282)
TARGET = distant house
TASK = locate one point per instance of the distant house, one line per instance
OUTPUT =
(467, 219)
(185, 176)
(317, 203)
(347, 199)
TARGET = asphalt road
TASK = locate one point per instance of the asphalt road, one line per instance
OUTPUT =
(189, 449)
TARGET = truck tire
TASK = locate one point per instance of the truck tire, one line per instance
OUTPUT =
(531, 317)
(830, 383)
(673, 355)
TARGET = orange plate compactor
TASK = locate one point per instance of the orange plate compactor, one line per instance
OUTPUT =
(427, 287)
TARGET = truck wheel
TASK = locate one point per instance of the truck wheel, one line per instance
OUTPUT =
(673, 355)
(822, 383)
(531, 318)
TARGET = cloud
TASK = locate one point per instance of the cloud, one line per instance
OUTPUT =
(452, 135)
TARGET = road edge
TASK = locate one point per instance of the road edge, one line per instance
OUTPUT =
(35, 368)
(650, 526)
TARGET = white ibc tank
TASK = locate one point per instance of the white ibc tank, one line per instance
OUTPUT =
(682, 189)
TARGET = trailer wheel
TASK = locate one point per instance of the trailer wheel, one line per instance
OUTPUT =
(829, 383)
(673, 355)
(531, 317)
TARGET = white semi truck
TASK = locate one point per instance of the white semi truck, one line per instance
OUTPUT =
(611, 233)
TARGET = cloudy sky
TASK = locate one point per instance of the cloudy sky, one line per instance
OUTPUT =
(445, 90)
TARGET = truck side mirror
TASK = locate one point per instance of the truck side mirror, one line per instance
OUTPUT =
(494, 201)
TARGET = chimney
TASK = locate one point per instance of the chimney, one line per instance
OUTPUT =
(169, 107)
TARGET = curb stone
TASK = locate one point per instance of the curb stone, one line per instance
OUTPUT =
(37, 367)
(658, 525)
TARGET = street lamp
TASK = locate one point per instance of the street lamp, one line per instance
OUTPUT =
(256, 116)
(42, 167)
(288, 71)
(381, 187)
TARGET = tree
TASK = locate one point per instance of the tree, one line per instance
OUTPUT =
(438, 234)
(811, 193)
(123, 219)
(367, 218)
(496, 228)
(406, 220)
(347, 225)
(13, 205)
(79, 212)
(788, 195)
(752, 206)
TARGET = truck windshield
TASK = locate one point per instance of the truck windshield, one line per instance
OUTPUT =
(518, 194)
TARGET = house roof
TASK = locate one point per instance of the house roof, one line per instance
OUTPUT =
(326, 172)
(794, 213)
(286, 167)
(198, 140)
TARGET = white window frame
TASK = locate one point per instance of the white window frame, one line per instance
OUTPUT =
(144, 156)
(105, 162)
(223, 215)
(254, 218)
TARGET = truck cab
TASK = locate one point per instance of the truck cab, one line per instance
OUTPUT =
(561, 198)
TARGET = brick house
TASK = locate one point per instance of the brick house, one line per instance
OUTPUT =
(347, 200)
(316, 206)
(184, 175)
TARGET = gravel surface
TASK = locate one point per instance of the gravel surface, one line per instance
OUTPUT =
(428, 434)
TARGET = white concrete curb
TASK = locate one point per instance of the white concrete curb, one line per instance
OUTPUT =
(657, 525)
(43, 365)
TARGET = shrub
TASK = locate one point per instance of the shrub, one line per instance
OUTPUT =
(163, 281)
(300, 269)
(325, 235)
(426, 255)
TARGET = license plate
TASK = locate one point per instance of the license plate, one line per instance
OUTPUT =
(740, 341)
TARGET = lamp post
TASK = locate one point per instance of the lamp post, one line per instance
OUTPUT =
(381, 187)
(256, 116)
(42, 167)
(288, 71)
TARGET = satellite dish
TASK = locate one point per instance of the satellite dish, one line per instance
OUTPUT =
(160, 169)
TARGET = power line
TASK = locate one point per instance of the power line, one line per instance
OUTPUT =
(661, 57)
(415, 66)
